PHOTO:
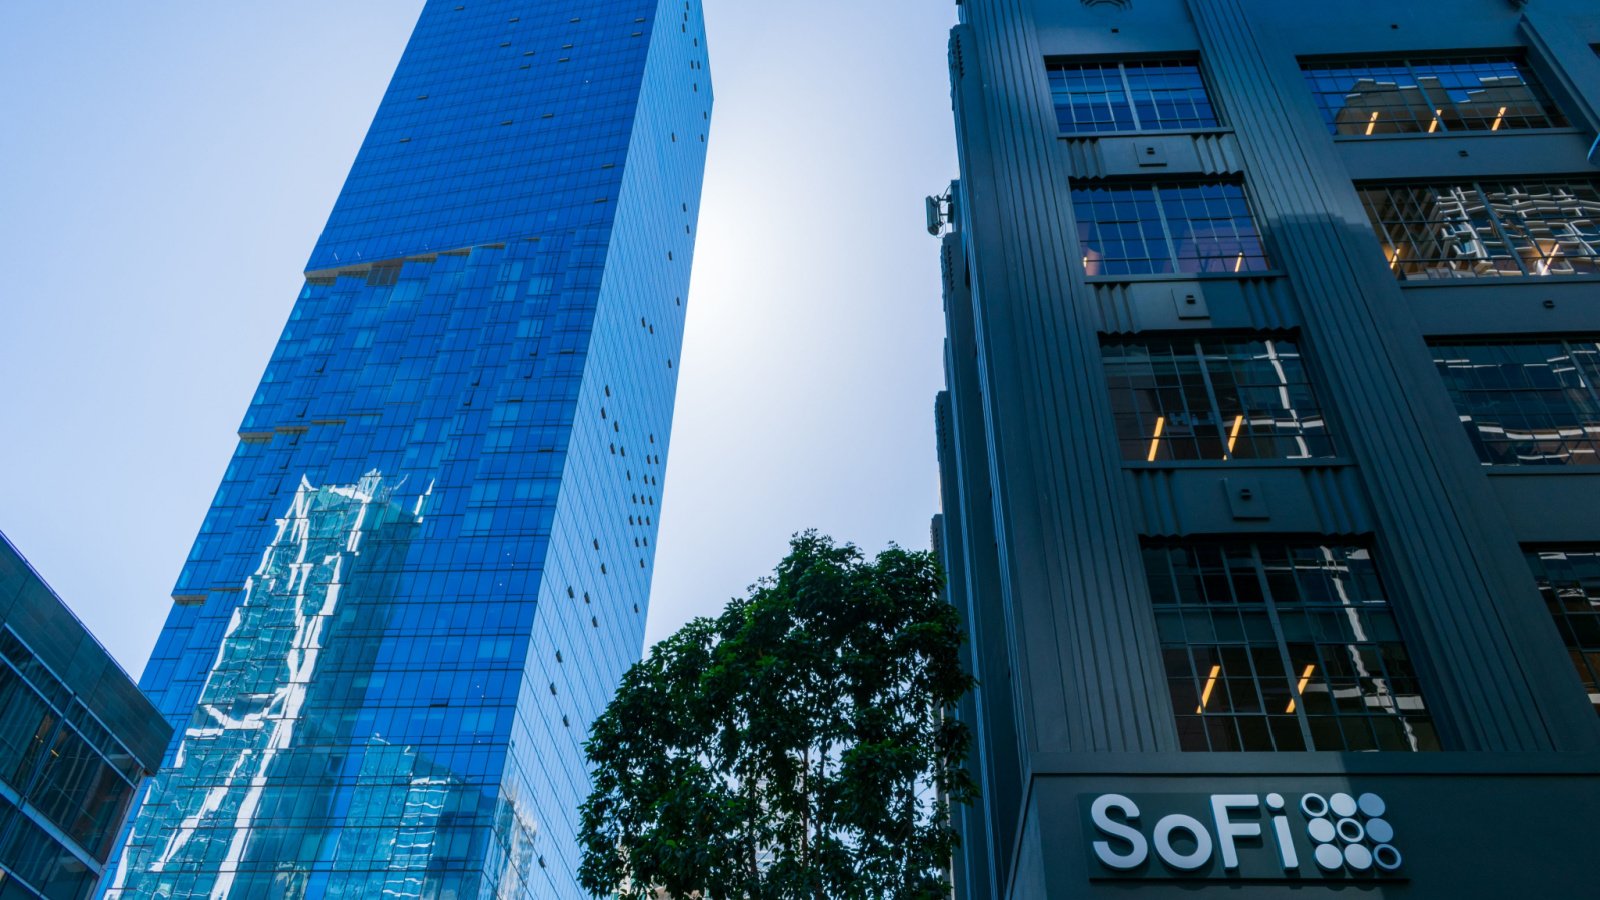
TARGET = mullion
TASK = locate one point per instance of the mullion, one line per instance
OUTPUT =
(1271, 603)
(1211, 397)
(1127, 94)
(1499, 228)
(1166, 228)
(1318, 650)
(1434, 105)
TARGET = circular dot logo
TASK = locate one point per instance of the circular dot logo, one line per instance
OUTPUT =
(1350, 833)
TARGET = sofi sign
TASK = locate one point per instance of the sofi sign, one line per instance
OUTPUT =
(1244, 836)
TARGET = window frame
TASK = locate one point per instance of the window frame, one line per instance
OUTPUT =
(1392, 252)
(1155, 186)
(1586, 672)
(1121, 63)
(1467, 418)
(1533, 77)
(1224, 436)
(1274, 609)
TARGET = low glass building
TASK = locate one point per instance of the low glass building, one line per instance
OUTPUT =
(76, 739)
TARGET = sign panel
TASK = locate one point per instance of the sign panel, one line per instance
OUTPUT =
(1317, 837)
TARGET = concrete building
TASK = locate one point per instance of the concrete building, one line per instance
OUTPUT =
(1269, 446)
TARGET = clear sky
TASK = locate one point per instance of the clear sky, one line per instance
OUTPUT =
(166, 166)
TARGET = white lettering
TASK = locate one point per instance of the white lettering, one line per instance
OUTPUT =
(1139, 850)
(1199, 856)
(1227, 829)
(1286, 851)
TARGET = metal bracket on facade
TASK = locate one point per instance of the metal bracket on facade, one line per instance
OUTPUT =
(941, 212)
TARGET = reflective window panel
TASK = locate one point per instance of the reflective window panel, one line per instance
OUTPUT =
(1569, 580)
(1163, 229)
(1430, 95)
(1529, 403)
(74, 774)
(427, 565)
(1147, 95)
(1487, 229)
(1283, 646)
(1214, 398)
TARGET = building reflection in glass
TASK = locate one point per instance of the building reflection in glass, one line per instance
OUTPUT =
(1569, 581)
(1487, 229)
(1283, 646)
(1186, 399)
(1530, 403)
(1430, 96)
(299, 768)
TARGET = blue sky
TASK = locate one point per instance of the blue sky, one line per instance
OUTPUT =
(168, 164)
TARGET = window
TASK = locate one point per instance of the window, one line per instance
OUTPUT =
(1526, 404)
(1488, 229)
(1154, 95)
(1161, 229)
(1213, 398)
(1283, 646)
(1570, 583)
(1430, 96)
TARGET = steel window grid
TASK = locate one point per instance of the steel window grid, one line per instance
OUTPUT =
(1101, 226)
(1573, 600)
(1410, 219)
(1321, 77)
(1553, 424)
(1203, 114)
(1230, 426)
(1373, 719)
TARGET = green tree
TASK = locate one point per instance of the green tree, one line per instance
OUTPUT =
(797, 747)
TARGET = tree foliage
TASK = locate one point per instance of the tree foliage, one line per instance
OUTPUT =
(797, 746)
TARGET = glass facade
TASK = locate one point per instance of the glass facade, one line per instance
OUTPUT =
(76, 740)
(1213, 398)
(1430, 95)
(428, 562)
(1530, 403)
(1487, 230)
(1147, 95)
(1283, 646)
(1162, 229)
(1569, 580)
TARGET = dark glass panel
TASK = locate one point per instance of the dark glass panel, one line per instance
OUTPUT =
(1569, 580)
(1151, 95)
(1534, 403)
(1213, 399)
(1328, 673)
(1487, 230)
(1430, 96)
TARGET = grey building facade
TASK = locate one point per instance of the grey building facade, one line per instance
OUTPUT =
(76, 739)
(1269, 445)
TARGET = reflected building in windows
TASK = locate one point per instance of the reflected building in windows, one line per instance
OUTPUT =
(77, 738)
(427, 565)
(1269, 445)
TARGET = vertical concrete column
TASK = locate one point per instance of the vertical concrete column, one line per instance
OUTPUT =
(1085, 651)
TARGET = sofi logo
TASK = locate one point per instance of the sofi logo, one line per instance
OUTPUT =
(1245, 836)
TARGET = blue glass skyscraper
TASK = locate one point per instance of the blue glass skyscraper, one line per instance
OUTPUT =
(428, 562)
